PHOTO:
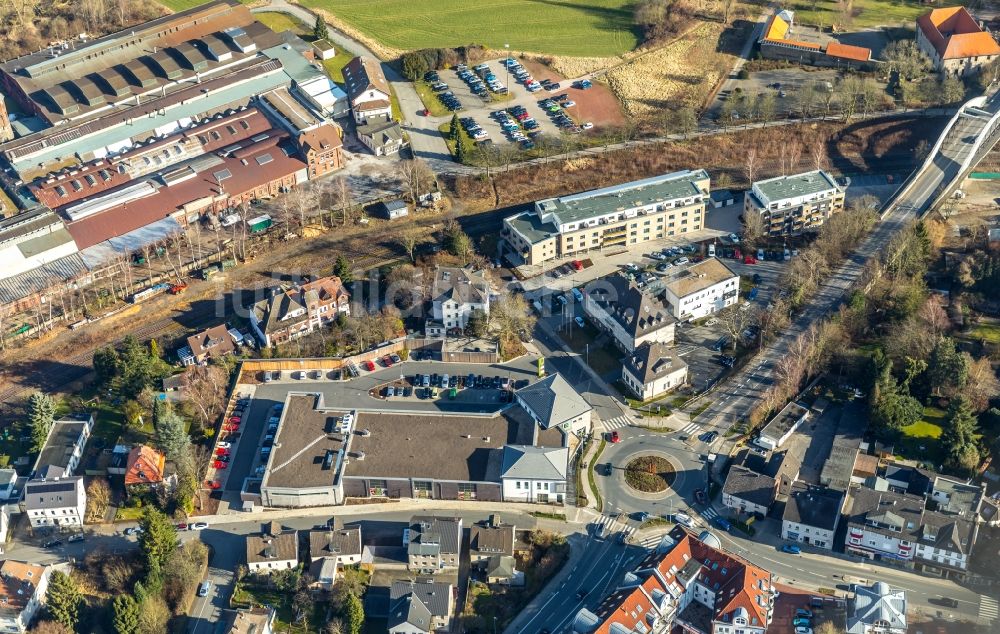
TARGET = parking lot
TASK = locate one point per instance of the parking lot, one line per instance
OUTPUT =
(515, 91)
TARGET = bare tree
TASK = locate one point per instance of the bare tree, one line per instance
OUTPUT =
(343, 196)
(754, 228)
(750, 167)
(735, 319)
(818, 154)
(409, 239)
(794, 155)
(206, 388)
(417, 177)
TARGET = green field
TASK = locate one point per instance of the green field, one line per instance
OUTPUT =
(586, 28)
(867, 13)
(990, 333)
(920, 440)
(279, 22)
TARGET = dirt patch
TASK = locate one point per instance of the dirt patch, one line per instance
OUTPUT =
(649, 474)
(882, 146)
(597, 105)
(539, 70)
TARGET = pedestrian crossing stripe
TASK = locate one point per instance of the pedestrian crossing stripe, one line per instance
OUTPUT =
(710, 513)
(617, 422)
(692, 428)
(988, 608)
(651, 542)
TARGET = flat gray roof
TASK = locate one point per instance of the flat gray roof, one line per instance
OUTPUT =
(784, 421)
(782, 187)
(534, 230)
(62, 441)
(306, 445)
(599, 202)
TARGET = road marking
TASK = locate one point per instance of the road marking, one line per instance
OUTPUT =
(691, 428)
(988, 609)
(652, 541)
(710, 513)
(618, 422)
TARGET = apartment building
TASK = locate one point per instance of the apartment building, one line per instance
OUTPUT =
(433, 543)
(455, 294)
(811, 515)
(23, 587)
(367, 90)
(617, 216)
(790, 204)
(55, 502)
(292, 312)
(653, 369)
(702, 289)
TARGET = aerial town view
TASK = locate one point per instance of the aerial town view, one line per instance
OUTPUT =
(499, 317)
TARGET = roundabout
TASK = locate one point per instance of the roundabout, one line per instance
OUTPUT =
(649, 474)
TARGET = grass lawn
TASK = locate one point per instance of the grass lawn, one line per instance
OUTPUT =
(279, 22)
(990, 333)
(866, 12)
(335, 65)
(920, 440)
(431, 102)
(585, 28)
(180, 5)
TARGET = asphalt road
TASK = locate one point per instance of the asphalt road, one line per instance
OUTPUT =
(739, 394)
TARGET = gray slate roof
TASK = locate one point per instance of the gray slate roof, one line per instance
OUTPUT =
(415, 602)
(459, 285)
(343, 542)
(535, 463)
(553, 400)
(637, 311)
(747, 485)
(876, 603)
(813, 506)
(652, 361)
(51, 494)
(501, 566)
(430, 534)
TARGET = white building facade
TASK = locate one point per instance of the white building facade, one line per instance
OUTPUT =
(702, 289)
(58, 502)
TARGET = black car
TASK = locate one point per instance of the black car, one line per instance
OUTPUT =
(727, 360)
(407, 391)
(711, 436)
(55, 543)
(756, 278)
(222, 458)
(948, 602)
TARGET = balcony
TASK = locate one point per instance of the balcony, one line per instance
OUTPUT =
(615, 232)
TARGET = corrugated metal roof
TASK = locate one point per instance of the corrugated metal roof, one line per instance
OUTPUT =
(38, 279)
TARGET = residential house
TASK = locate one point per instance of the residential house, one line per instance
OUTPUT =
(746, 491)
(258, 620)
(631, 315)
(274, 549)
(617, 216)
(420, 607)
(702, 289)
(876, 609)
(534, 474)
(782, 426)
(213, 343)
(382, 135)
(57, 502)
(342, 545)
(502, 570)
(652, 370)
(688, 583)
(490, 538)
(145, 466)
(811, 515)
(23, 587)
(4, 527)
(64, 446)
(323, 149)
(367, 90)
(552, 402)
(456, 294)
(957, 45)
(433, 543)
(324, 49)
(292, 312)
(790, 204)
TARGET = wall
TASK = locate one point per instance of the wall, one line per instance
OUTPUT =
(812, 57)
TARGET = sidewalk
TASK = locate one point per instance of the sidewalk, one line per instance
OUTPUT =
(576, 552)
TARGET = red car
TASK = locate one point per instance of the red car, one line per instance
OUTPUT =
(212, 484)
(182, 526)
(613, 437)
(221, 452)
(749, 260)
(387, 361)
(235, 419)
(370, 365)
(218, 465)
(231, 427)
(738, 255)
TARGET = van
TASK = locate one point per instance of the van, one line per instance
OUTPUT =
(711, 250)
(204, 588)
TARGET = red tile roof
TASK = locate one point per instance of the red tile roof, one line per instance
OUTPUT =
(846, 51)
(626, 607)
(145, 466)
(954, 33)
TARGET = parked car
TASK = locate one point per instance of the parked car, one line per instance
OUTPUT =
(224, 445)
(613, 437)
(204, 588)
(801, 622)
(803, 612)
(683, 519)
(133, 530)
(700, 497)
(948, 602)
(78, 537)
(579, 321)
(55, 543)
(370, 365)
(198, 526)
(722, 523)
(219, 465)
(803, 630)
(791, 549)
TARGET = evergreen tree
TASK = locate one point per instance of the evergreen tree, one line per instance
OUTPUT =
(171, 435)
(460, 149)
(320, 32)
(342, 269)
(453, 130)
(126, 619)
(355, 614)
(63, 599)
(158, 539)
(41, 414)
(107, 364)
(959, 436)
(947, 368)
(154, 349)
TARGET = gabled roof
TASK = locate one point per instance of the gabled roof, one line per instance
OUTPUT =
(955, 34)
(264, 548)
(53, 494)
(431, 534)
(459, 285)
(637, 311)
(436, 597)
(744, 484)
(553, 400)
(213, 342)
(652, 361)
(18, 582)
(145, 466)
(536, 463)
(497, 540)
(813, 506)
(847, 51)
(502, 566)
(362, 74)
(344, 542)
(273, 312)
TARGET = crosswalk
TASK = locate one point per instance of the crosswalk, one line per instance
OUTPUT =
(691, 428)
(618, 422)
(988, 609)
(709, 513)
(651, 541)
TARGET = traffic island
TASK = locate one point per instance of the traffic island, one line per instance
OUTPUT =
(649, 474)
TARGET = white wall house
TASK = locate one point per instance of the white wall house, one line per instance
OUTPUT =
(268, 553)
(23, 586)
(811, 515)
(631, 316)
(652, 370)
(746, 491)
(367, 90)
(534, 474)
(456, 294)
(552, 402)
(55, 502)
(702, 289)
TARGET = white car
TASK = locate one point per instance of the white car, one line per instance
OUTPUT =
(224, 445)
(681, 261)
(803, 630)
(588, 126)
(684, 519)
(568, 104)
(198, 526)
(735, 239)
